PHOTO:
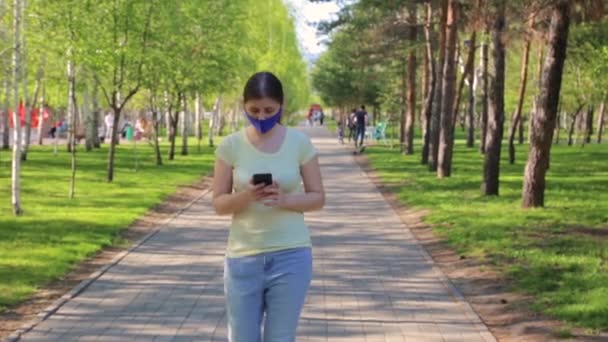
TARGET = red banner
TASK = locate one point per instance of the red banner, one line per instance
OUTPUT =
(35, 116)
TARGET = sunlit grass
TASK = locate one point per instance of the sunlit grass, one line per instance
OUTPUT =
(55, 233)
(557, 253)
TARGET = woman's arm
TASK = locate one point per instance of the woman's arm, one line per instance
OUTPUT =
(313, 197)
(224, 201)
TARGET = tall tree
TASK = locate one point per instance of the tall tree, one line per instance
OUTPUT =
(430, 66)
(543, 122)
(16, 164)
(517, 116)
(496, 115)
(483, 122)
(446, 143)
(411, 82)
(438, 95)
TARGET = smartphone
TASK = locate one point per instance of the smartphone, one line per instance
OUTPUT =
(265, 178)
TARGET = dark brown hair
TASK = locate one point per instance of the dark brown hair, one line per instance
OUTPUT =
(263, 84)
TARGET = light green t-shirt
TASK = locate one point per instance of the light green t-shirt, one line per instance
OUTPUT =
(259, 228)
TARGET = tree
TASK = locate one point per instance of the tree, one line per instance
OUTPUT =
(16, 164)
(438, 95)
(446, 142)
(496, 115)
(543, 120)
(411, 83)
(517, 116)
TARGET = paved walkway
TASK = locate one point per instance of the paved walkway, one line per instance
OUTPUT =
(372, 280)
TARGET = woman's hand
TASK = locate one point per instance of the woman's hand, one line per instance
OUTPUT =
(274, 196)
(256, 192)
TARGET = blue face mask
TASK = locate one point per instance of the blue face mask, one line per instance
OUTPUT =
(263, 126)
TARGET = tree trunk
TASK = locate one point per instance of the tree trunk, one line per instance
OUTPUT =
(468, 70)
(520, 103)
(88, 119)
(600, 122)
(557, 127)
(428, 102)
(72, 107)
(16, 162)
(114, 137)
(483, 124)
(186, 125)
(437, 96)
(588, 125)
(520, 129)
(446, 143)
(539, 72)
(403, 111)
(543, 121)
(496, 115)
(24, 83)
(7, 99)
(411, 83)
(173, 127)
(96, 115)
(156, 124)
(572, 126)
(197, 119)
(471, 106)
(167, 115)
(41, 111)
(212, 121)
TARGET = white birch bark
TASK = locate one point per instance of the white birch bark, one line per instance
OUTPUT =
(16, 163)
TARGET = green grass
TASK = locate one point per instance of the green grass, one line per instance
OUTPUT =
(558, 254)
(56, 233)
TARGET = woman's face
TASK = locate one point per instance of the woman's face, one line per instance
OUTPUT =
(263, 108)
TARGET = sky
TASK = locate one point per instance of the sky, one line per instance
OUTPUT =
(307, 14)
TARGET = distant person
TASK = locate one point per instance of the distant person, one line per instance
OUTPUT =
(321, 117)
(360, 123)
(351, 124)
(109, 122)
(268, 265)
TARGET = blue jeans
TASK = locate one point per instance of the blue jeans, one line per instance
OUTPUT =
(270, 286)
(359, 135)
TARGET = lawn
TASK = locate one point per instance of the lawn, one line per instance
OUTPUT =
(558, 254)
(56, 233)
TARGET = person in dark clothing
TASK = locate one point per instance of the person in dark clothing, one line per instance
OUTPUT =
(360, 122)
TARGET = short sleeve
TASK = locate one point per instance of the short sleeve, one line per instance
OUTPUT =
(225, 152)
(307, 150)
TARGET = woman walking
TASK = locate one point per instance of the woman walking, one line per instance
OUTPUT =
(266, 177)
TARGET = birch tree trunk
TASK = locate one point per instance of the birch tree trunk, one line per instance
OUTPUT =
(7, 99)
(16, 162)
(41, 112)
(96, 115)
(213, 119)
(7, 81)
(27, 129)
(543, 122)
(197, 119)
(72, 115)
(88, 119)
(185, 125)
(483, 122)
(167, 115)
(600, 122)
